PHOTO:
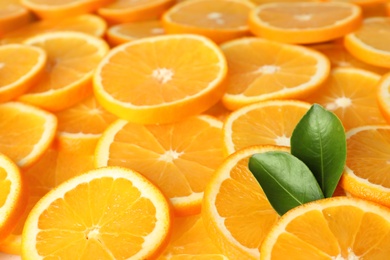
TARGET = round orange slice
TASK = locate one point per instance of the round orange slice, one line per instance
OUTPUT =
(261, 69)
(21, 66)
(113, 213)
(25, 132)
(304, 22)
(179, 158)
(218, 20)
(370, 43)
(13, 196)
(365, 174)
(67, 78)
(161, 79)
(333, 228)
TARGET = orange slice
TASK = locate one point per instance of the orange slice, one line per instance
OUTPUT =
(370, 43)
(339, 57)
(123, 11)
(13, 196)
(25, 132)
(108, 212)
(351, 94)
(304, 22)
(86, 23)
(13, 16)
(235, 210)
(218, 20)
(179, 157)
(56, 10)
(72, 60)
(368, 149)
(161, 79)
(21, 67)
(261, 69)
(333, 228)
(267, 122)
(189, 240)
(125, 32)
(383, 96)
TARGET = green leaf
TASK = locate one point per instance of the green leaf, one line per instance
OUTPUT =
(286, 181)
(319, 141)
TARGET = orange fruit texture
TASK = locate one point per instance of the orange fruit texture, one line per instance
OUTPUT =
(126, 127)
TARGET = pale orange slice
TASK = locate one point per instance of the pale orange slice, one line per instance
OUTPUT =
(368, 149)
(122, 11)
(261, 69)
(57, 10)
(304, 22)
(218, 20)
(86, 23)
(125, 32)
(333, 228)
(21, 66)
(370, 43)
(13, 16)
(179, 158)
(263, 123)
(351, 94)
(161, 79)
(13, 196)
(235, 210)
(67, 79)
(25, 132)
(108, 212)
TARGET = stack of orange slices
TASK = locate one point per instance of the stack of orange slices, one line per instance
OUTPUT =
(126, 127)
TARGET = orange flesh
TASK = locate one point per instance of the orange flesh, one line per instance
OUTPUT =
(375, 34)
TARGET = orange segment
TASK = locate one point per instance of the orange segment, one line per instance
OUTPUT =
(122, 11)
(161, 79)
(261, 69)
(370, 43)
(365, 175)
(86, 23)
(235, 210)
(125, 32)
(352, 95)
(218, 20)
(140, 225)
(383, 96)
(13, 16)
(189, 240)
(268, 122)
(25, 132)
(333, 228)
(20, 68)
(12, 196)
(72, 60)
(56, 10)
(304, 22)
(179, 157)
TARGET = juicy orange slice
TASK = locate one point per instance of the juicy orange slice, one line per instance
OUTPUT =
(13, 196)
(25, 132)
(235, 209)
(267, 122)
(261, 69)
(161, 79)
(304, 22)
(370, 43)
(72, 60)
(122, 11)
(218, 20)
(21, 67)
(179, 157)
(383, 96)
(368, 149)
(108, 212)
(333, 228)
(352, 95)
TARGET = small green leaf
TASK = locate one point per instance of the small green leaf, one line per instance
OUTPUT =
(319, 141)
(286, 181)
